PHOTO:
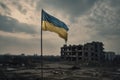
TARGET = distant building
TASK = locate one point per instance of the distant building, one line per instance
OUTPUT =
(117, 60)
(109, 56)
(89, 52)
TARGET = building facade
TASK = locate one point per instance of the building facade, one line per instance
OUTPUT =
(89, 52)
(109, 56)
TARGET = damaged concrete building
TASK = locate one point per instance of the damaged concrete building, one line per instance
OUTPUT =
(89, 52)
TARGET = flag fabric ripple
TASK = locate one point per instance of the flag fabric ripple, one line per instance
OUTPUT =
(50, 23)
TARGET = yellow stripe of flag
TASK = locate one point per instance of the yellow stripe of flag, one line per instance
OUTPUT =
(50, 23)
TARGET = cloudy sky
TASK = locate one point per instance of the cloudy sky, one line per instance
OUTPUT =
(88, 20)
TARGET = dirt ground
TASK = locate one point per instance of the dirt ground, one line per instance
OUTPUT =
(56, 71)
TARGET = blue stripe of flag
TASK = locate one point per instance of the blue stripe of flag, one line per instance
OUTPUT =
(53, 20)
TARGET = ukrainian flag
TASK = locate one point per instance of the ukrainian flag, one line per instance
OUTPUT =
(50, 23)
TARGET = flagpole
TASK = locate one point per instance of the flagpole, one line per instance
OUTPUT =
(41, 50)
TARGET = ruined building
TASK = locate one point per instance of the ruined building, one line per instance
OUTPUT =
(89, 52)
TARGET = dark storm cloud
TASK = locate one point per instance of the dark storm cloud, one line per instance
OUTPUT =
(2, 5)
(106, 14)
(115, 3)
(5, 8)
(71, 7)
(106, 18)
(9, 24)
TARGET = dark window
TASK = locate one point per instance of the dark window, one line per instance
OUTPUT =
(79, 48)
(86, 54)
(65, 53)
(92, 59)
(96, 50)
(69, 48)
(73, 53)
(80, 58)
(96, 59)
(69, 53)
(96, 55)
(91, 49)
(73, 48)
(80, 54)
(86, 59)
(68, 58)
(73, 58)
(86, 48)
(92, 54)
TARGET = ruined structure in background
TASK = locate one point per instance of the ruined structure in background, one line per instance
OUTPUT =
(89, 52)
